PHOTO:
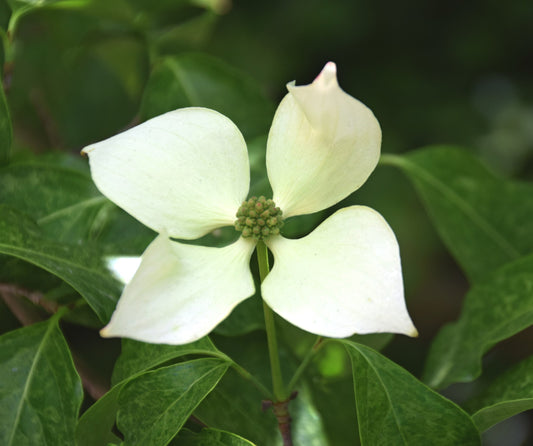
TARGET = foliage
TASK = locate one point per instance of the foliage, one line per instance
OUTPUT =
(75, 71)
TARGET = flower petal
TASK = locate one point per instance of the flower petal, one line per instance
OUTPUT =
(181, 292)
(322, 146)
(343, 278)
(123, 267)
(185, 172)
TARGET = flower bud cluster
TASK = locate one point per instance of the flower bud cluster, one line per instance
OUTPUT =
(259, 218)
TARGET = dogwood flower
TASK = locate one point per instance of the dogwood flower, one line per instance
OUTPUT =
(186, 173)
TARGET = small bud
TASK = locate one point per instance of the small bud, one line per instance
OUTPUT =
(258, 218)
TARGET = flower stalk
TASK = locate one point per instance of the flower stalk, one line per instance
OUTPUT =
(270, 325)
(280, 405)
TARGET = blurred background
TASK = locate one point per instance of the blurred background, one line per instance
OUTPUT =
(456, 73)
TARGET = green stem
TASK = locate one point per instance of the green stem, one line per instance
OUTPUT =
(270, 325)
(314, 349)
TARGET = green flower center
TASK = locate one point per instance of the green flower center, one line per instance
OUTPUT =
(259, 218)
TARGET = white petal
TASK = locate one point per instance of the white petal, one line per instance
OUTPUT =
(343, 278)
(181, 292)
(123, 267)
(322, 146)
(185, 172)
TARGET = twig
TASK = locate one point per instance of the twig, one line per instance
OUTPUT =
(281, 411)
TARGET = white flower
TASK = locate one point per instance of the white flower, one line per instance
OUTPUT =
(186, 173)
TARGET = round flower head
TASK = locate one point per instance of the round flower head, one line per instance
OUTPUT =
(186, 173)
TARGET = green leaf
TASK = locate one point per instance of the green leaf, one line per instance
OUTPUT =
(493, 310)
(210, 437)
(243, 415)
(155, 405)
(139, 356)
(112, 67)
(197, 80)
(79, 266)
(6, 130)
(484, 220)
(5, 13)
(31, 3)
(59, 199)
(509, 394)
(393, 407)
(22, 7)
(69, 208)
(40, 390)
(334, 401)
(96, 424)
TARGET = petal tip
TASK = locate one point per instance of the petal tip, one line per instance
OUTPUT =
(327, 75)
(290, 85)
(86, 150)
(330, 67)
(413, 333)
(104, 332)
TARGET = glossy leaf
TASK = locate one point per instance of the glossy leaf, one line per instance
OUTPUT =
(210, 437)
(79, 266)
(334, 401)
(391, 404)
(6, 130)
(57, 198)
(509, 394)
(96, 424)
(154, 406)
(243, 415)
(493, 310)
(195, 80)
(40, 390)
(484, 220)
(68, 207)
(139, 356)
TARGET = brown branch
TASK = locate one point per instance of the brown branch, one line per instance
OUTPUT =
(26, 314)
(281, 411)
